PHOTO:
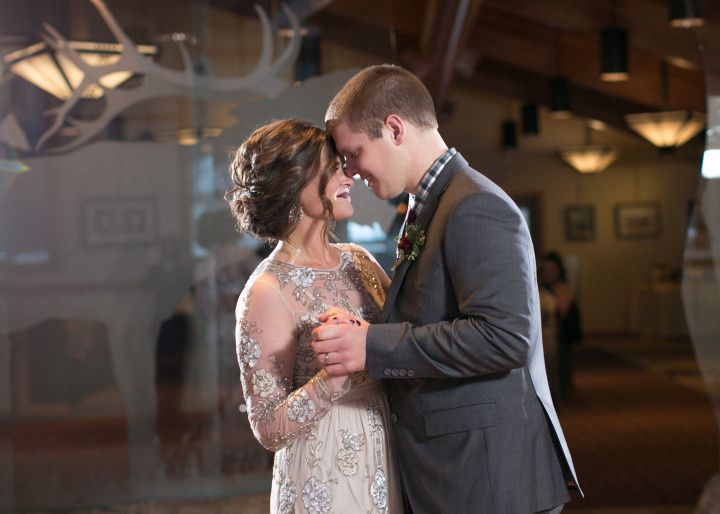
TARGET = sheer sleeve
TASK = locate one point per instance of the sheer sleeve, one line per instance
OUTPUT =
(374, 278)
(265, 338)
(377, 270)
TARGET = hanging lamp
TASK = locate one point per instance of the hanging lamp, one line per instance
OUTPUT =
(666, 129)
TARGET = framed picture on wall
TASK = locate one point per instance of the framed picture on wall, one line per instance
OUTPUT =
(579, 222)
(639, 220)
(119, 221)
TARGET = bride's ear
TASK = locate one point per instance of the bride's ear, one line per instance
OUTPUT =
(396, 125)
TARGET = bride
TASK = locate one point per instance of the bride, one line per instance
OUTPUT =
(330, 434)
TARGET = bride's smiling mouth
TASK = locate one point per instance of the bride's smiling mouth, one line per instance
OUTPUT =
(343, 193)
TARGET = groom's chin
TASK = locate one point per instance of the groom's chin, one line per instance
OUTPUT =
(382, 195)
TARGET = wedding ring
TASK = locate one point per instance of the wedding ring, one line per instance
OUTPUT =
(325, 358)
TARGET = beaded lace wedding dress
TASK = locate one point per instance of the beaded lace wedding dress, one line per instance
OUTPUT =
(332, 448)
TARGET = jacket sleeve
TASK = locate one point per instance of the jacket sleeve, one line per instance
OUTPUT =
(491, 267)
(266, 344)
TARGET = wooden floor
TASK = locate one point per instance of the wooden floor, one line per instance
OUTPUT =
(638, 436)
(640, 427)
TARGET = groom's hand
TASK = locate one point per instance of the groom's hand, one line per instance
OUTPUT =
(340, 342)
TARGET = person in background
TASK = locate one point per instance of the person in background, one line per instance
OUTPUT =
(553, 278)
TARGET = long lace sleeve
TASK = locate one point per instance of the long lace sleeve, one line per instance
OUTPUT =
(266, 342)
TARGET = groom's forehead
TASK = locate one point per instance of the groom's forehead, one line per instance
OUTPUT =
(345, 138)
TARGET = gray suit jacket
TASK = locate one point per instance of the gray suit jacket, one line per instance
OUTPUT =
(476, 430)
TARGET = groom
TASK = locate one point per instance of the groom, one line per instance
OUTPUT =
(459, 337)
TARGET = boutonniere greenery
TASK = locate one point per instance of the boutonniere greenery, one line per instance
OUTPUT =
(410, 244)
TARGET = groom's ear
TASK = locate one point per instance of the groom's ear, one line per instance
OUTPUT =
(397, 128)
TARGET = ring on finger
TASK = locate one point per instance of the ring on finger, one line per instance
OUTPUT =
(325, 358)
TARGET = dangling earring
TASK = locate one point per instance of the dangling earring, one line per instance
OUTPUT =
(296, 214)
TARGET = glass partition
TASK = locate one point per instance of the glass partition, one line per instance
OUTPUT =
(119, 263)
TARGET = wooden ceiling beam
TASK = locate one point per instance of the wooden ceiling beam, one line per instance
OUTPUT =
(530, 48)
(449, 29)
(524, 44)
(646, 21)
(372, 39)
(405, 17)
(525, 86)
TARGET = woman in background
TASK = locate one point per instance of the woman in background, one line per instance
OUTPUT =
(553, 278)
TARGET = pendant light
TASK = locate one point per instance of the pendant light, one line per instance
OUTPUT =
(666, 129)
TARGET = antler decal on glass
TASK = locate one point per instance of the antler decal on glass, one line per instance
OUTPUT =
(265, 79)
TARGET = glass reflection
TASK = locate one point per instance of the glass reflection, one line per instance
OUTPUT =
(120, 266)
(701, 266)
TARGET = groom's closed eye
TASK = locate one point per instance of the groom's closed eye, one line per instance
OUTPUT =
(345, 167)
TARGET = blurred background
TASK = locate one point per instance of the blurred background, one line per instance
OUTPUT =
(120, 265)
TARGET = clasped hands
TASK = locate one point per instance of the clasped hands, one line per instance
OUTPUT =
(339, 342)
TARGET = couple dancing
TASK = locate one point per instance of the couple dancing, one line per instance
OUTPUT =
(426, 393)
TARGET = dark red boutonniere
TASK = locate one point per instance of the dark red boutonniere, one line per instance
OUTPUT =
(410, 243)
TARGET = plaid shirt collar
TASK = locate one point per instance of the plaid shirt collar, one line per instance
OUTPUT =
(416, 202)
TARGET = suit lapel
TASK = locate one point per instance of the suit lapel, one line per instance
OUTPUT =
(423, 220)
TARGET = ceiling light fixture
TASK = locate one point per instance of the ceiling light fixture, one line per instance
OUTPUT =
(56, 74)
(559, 86)
(530, 126)
(589, 158)
(685, 14)
(560, 97)
(509, 135)
(666, 129)
(614, 55)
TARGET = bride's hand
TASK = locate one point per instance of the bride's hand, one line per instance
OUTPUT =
(336, 316)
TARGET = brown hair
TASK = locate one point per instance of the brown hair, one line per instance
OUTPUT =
(268, 172)
(376, 92)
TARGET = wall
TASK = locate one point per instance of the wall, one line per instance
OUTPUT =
(609, 268)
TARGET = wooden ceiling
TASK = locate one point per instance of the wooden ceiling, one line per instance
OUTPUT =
(513, 47)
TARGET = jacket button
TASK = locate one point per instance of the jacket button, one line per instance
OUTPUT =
(394, 372)
(393, 416)
(411, 373)
(403, 372)
(387, 372)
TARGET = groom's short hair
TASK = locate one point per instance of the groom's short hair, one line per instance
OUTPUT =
(376, 92)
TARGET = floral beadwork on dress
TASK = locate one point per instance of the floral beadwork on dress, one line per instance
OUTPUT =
(378, 489)
(316, 496)
(302, 277)
(248, 351)
(313, 447)
(347, 457)
(287, 497)
(374, 419)
(288, 394)
(263, 382)
(301, 407)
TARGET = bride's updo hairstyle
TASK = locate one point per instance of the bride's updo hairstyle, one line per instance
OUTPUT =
(268, 172)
